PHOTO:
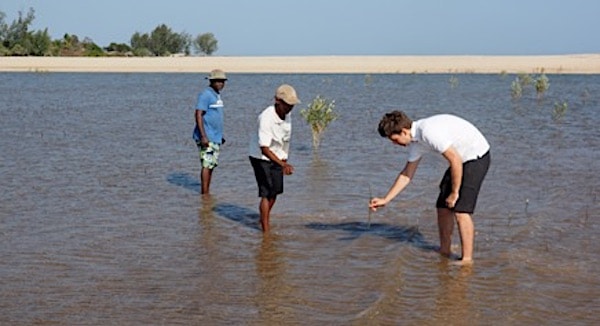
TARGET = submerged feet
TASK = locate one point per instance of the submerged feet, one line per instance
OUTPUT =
(462, 262)
(455, 260)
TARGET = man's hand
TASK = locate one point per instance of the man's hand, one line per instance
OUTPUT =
(376, 203)
(452, 199)
(287, 169)
(204, 142)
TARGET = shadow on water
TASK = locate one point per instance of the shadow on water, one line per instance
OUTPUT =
(242, 215)
(185, 180)
(408, 234)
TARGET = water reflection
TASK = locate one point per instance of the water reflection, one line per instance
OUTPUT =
(274, 291)
(453, 300)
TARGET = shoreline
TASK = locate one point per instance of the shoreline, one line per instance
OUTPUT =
(405, 64)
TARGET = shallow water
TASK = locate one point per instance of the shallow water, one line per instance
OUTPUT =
(101, 221)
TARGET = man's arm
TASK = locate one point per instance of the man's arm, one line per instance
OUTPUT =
(456, 173)
(203, 138)
(401, 182)
(287, 168)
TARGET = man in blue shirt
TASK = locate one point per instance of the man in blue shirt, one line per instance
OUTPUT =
(208, 132)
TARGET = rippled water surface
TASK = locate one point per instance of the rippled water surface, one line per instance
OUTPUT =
(101, 221)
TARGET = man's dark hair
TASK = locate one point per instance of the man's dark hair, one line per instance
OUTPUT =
(393, 123)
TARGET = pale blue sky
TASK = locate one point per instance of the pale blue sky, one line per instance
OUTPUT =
(335, 27)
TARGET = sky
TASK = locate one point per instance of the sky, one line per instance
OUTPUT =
(334, 27)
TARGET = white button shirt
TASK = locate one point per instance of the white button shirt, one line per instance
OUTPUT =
(273, 132)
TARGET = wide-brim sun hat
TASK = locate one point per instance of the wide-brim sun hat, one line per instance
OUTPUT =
(287, 94)
(217, 74)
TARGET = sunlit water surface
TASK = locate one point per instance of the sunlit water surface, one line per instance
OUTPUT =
(101, 221)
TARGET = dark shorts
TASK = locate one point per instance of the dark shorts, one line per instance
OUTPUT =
(474, 172)
(269, 177)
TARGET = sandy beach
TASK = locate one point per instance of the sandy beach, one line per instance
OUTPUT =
(551, 64)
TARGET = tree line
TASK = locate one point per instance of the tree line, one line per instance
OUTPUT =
(16, 39)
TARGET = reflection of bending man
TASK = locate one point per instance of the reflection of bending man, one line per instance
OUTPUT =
(269, 150)
(467, 152)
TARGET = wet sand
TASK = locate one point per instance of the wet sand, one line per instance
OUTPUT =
(553, 64)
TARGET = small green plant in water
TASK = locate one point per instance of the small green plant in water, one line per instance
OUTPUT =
(368, 80)
(560, 109)
(525, 79)
(453, 82)
(541, 85)
(585, 96)
(516, 89)
(319, 114)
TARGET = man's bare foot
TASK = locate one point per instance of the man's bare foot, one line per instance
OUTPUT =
(448, 255)
(462, 262)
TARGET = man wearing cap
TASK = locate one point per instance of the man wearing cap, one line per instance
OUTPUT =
(269, 150)
(208, 132)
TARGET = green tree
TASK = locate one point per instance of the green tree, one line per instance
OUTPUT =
(40, 43)
(118, 48)
(162, 41)
(91, 49)
(3, 28)
(70, 46)
(139, 44)
(17, 33)
(205, 43)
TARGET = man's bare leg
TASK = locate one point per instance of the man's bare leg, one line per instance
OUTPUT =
(205, 176)
(467, 235)
(265, 206)
(446, 227)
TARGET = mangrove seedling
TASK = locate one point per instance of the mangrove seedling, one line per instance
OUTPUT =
(516, 89)
(319, 114)
(541, 85)
(453, 82)
(560, 109)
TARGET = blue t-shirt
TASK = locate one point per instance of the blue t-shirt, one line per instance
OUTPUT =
(210, 102)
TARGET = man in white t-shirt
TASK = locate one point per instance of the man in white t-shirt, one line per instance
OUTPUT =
(467, 152)
(269, 150)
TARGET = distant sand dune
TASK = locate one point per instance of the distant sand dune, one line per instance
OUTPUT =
(551, 64)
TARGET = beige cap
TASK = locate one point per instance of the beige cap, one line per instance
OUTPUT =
(287, 94)
(217, 74)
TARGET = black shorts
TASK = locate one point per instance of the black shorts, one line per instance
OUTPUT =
(474, 172)
(269, 177)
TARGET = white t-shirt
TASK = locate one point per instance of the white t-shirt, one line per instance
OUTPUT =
(273, 133)
(437, 133)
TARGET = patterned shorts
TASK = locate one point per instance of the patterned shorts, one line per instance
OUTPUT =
(209, 156)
